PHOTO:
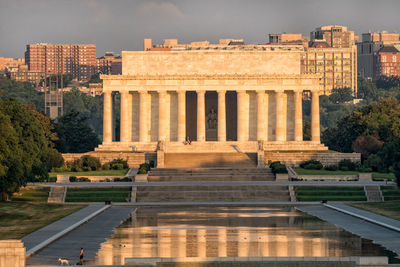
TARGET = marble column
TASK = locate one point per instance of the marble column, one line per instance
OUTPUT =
(201, 119)
(221, 116)
(298, 115)
(107, 117)
(130, 123)
(162, 116)
(260, 115)
(242, 116)
(124, 125)
(315, 127)
(144, 132)
(266, 116)
(181, 116)
(280, 118)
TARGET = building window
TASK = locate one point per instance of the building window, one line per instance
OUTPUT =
(383, 58)
(394, 59)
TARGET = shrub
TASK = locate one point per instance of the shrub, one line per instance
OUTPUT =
(118, 166)
(76, 169)
(278, 167)
(52, 179)
(347, 165)
(364, 168)
(91, 162)
(120, 161)
(61, 169)
(72, 179)
(144, 168)
(106, 167)
(331, 168)
(375, 163)
(125, 179)
(311, 165)
(83, 179)
(86, 168)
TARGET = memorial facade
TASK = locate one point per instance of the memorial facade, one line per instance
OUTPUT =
(223, 101)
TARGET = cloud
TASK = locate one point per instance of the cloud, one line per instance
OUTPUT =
(161, 10)
(99, 12)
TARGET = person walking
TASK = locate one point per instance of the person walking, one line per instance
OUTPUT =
(81, 257)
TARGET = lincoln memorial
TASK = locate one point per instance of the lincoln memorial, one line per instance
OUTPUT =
(243, 102)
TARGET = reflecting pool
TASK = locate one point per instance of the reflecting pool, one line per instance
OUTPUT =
(230, 232)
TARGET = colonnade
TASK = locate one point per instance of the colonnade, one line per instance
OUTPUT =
(242, 116)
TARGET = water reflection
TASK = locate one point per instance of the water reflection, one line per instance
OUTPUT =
(229, 232)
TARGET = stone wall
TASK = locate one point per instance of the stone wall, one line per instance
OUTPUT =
(293, 158)
(12, 253)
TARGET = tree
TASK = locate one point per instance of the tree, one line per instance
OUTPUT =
(75, 136)
(341, 95)
(23, 147)
(367, 145)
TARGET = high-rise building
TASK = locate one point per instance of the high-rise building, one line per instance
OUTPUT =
(287, 39)
(373, 49)
(335, 36)
(76, 59)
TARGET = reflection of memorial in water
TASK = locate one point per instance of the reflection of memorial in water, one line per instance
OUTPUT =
(229, 232)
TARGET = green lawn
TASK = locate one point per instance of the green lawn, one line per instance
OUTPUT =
(302, 171)
(93, 173)
(375, 175)
(18, 219)
(330, 193)
(390, 193)
(390, 208)
(118, 194)
(32, 194)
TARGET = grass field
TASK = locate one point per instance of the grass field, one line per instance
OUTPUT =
(32, 194)
(390, 193)
(390, 208)
(18, 219)
(120, 194)
(375, 175)
(330, 193)
(93, 173)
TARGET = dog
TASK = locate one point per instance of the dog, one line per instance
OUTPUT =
(63, 261)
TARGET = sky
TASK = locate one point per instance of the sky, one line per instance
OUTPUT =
(117, 25)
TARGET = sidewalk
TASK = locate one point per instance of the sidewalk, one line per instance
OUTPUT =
(44, 236)
(368, 216)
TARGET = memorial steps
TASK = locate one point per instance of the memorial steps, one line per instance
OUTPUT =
(214, 184)
(212, 193)
(210, 174)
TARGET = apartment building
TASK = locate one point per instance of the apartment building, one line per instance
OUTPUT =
(76, 59)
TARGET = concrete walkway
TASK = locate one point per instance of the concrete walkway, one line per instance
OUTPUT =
(44, 236)
(389, 223)
(222, 183)
(380, 235)
(89, 236)
(216, 204)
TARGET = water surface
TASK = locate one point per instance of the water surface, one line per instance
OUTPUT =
(230, 232)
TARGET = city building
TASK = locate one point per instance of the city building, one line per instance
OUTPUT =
(76, 59)
(22, 74)
(287, 39)
(335, 36)
(387, 61)
(10, 63)
(336, 66)
(368, 53)
(109, 64)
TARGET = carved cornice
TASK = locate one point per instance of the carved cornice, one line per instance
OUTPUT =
(222, 76)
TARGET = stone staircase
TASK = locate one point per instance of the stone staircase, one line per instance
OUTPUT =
(212, 193)
(209, 160)
(373, 193)
(210, 174)
(57, 194)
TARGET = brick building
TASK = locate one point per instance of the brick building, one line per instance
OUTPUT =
(109, 64)
(387, 61)
(76, 59)
(22, 74)
(6, 62)
(369, 49)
